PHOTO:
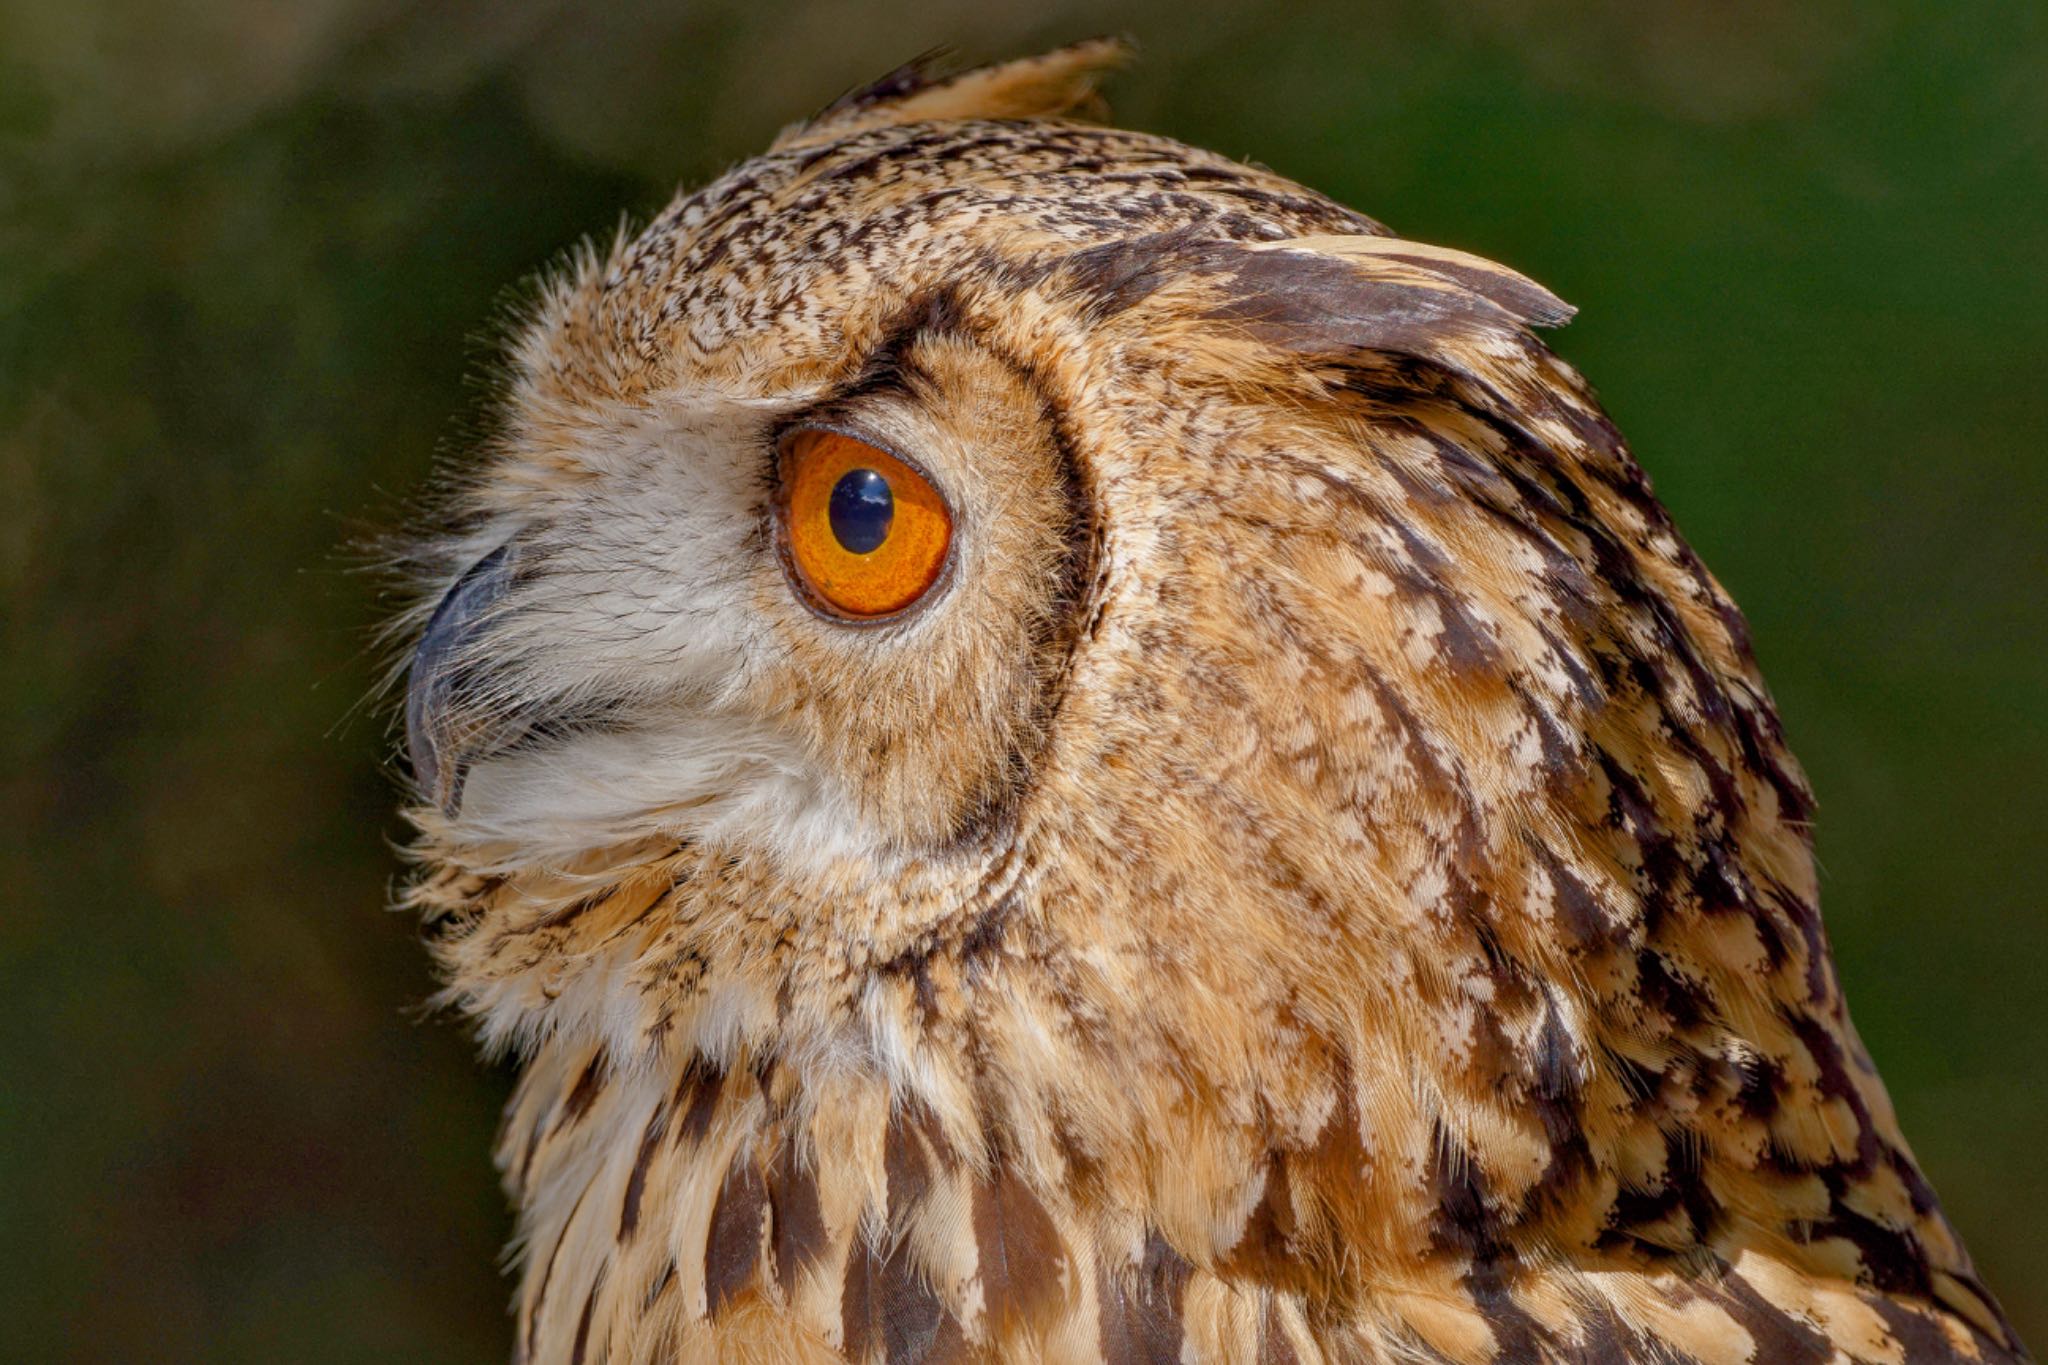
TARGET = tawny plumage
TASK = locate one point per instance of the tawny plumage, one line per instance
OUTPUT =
(1312, 874)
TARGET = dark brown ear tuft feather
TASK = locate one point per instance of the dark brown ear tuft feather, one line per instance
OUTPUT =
(1515, 294)
(1062, 81)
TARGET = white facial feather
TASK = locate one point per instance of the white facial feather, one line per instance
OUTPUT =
(698, 775)
(632, 605)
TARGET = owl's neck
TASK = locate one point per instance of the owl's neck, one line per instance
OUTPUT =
(999, 1127)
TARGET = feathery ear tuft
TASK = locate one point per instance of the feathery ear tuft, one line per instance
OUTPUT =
(1332, 297)
(1371, 314)
(1062, 81)
(1518, 295)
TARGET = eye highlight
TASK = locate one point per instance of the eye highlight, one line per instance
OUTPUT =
(863, 533)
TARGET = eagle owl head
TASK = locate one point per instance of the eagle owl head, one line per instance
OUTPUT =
(1050, 746)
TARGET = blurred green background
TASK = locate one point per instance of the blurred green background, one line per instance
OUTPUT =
(245, 252)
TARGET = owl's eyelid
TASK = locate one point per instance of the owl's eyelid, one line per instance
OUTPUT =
(852, 431)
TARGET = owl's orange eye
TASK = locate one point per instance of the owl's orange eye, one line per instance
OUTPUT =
(864, 533)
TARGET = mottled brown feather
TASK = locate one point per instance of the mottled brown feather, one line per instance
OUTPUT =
(1323, 881)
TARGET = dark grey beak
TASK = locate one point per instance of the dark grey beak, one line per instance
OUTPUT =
(444, 728)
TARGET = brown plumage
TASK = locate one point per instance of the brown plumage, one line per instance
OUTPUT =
(1319, 878)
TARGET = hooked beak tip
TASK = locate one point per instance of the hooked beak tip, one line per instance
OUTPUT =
(441, 734)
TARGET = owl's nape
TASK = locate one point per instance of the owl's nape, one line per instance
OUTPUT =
(1052, 747)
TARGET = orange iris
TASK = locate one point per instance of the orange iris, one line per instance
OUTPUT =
(865, 533)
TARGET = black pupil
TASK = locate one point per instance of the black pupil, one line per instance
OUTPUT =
(862, 508)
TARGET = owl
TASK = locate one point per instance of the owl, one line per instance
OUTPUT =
(1050, 747)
